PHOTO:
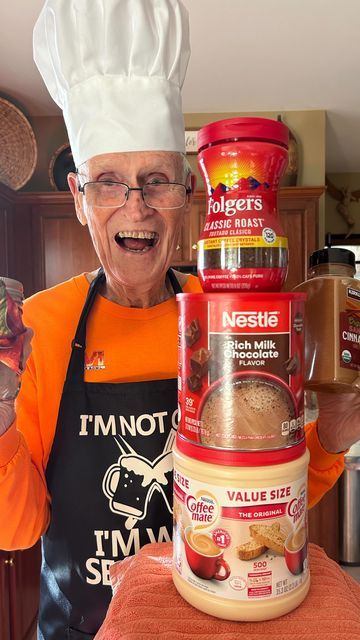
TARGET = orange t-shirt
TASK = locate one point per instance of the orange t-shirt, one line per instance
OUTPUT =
(123, 345)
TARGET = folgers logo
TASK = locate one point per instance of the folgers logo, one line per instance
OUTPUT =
(266, 319)
(230, 206)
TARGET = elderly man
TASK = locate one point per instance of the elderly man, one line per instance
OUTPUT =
(78, 462)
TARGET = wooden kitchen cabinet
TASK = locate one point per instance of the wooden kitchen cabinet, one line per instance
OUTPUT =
(4, 596)
(6, 235)
(186, 253)
(19, 593)
(299, 213)
(51, 245)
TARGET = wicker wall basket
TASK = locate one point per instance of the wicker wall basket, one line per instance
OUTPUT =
(18, 150)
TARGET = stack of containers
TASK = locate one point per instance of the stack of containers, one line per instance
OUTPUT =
(240, 460)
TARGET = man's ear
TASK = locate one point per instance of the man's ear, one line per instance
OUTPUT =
(72, 179)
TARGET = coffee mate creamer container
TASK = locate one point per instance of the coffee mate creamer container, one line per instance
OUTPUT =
(242, 246)
(240, 384)
(240, 530)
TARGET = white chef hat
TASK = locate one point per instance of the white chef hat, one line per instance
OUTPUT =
(116, 68)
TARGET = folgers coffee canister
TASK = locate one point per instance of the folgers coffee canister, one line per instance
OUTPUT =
(242, 246)
(240, 530)
(240, 384)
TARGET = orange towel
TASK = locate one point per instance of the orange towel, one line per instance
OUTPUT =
(11, 331)
(146, 605)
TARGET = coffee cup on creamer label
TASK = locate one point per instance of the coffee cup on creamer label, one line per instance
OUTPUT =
(296, 550)
(204, 557)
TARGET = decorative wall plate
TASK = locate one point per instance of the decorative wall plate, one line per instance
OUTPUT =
(61, 164)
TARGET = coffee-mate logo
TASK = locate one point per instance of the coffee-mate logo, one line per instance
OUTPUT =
(232, 206)
(203, 508)
(251, 319)
(297, 506)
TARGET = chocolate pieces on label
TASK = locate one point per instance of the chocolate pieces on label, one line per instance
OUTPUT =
(199, 361)
(192, 333)
(292, 365)
(193, 382)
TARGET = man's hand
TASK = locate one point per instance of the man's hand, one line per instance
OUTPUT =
(9, 386)
(339, 420)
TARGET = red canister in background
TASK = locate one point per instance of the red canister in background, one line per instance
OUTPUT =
(242, 246)
(241, 370)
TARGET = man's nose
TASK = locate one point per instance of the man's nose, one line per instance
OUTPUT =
(135, 204)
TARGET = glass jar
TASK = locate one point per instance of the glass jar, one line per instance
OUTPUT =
(14, 288)
(332, 321)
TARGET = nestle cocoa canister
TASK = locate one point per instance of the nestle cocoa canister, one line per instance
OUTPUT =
(241, 370)
(240, 530)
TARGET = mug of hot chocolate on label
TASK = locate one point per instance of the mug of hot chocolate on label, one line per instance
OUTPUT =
(248, 410)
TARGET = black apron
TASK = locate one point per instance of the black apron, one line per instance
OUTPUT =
(110, 479)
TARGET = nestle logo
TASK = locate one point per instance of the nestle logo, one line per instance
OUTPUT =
(251, 319)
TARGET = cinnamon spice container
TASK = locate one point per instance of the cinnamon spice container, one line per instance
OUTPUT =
(332, 320)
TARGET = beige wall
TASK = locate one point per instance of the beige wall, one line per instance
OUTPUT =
(308, 127)
(335, 223)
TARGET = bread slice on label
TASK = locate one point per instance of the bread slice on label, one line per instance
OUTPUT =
(265, 535)
(252, 549)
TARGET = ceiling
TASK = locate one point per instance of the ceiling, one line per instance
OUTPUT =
(264, 55)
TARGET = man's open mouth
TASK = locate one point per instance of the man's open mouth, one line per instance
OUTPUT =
(137, 241)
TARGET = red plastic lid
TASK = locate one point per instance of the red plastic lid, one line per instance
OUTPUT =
(233, 458)
(244, 128)
(237, 297)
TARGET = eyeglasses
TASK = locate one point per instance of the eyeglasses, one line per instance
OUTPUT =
(159, 195)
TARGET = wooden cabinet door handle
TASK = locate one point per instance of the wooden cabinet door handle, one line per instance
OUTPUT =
(10, 562)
